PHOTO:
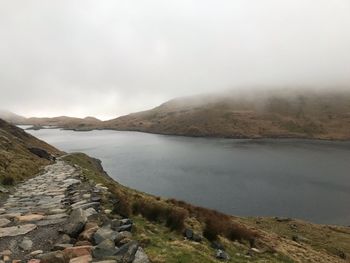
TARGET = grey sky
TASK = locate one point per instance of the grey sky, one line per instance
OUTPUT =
(107, 58)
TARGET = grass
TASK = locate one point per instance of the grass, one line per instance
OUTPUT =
(333, 239)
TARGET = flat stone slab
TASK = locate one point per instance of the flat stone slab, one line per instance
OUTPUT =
(29, 218)
(16, 230)
(50, 222)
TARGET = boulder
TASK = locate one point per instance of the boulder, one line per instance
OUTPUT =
(40, 153)
(105, 249)
(104, 233)
(76, 223)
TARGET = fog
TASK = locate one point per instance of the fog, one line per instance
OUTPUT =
(109, 58)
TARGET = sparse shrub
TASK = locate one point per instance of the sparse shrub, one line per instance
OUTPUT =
(176, 219)
(8, 180)
(240, 233)
(122, 207)
(211, 230)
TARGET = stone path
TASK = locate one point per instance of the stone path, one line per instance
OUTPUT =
(56, 217)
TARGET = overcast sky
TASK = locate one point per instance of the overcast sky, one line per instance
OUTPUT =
(108, 58)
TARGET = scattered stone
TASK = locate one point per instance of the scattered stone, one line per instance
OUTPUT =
(222, 255)
(26, 244)
(32, 261)
(189, 234)
(105, 249)
(16, 230)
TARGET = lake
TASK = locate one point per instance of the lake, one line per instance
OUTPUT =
(292, 178)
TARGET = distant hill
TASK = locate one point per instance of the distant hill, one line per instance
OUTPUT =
(61, 122)
(19, 152)
(323, 115)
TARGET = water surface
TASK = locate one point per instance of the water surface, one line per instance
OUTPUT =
(294, 178)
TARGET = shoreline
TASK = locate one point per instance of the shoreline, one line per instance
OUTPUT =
(243, 137)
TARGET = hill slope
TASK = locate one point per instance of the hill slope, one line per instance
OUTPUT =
(323, 115)
(19, 153)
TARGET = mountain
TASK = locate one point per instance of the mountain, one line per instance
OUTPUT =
(11, 117)
(282, 114)
(21, 154)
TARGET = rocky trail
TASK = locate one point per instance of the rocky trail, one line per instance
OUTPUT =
(58, 217)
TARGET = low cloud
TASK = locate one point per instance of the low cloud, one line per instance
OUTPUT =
(110, 58)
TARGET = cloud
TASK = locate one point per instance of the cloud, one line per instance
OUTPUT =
(109, 58)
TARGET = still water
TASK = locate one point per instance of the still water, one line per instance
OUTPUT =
(294, 178)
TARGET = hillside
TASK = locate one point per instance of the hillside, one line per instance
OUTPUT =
(321, 115)
(19, 153)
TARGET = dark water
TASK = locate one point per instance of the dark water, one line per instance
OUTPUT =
(295, 178)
